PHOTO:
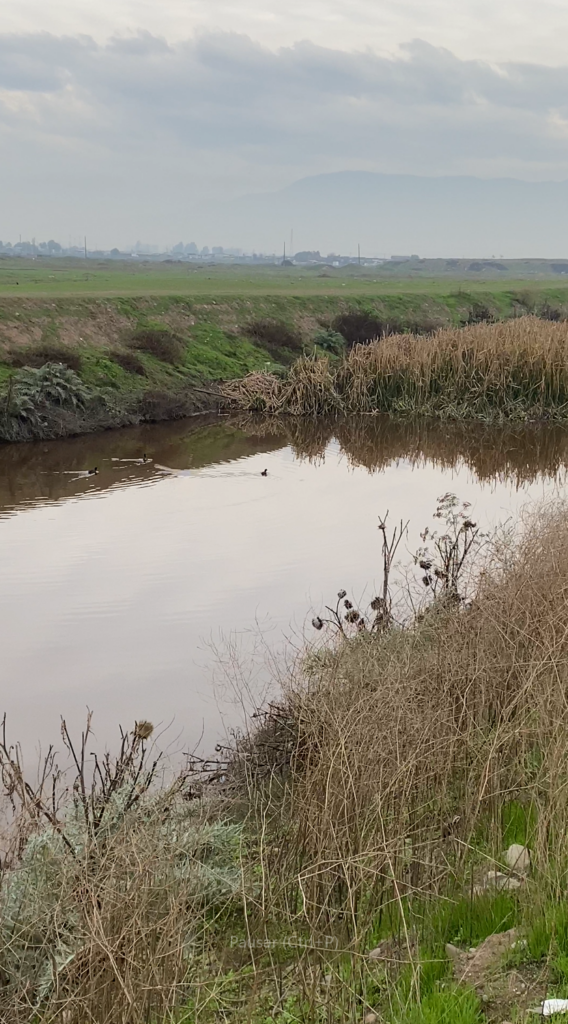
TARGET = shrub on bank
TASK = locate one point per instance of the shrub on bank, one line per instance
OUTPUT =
(128, 361)
(360, 327)
(277, 338)
(356, 831)
(45, 352)
(159, 342)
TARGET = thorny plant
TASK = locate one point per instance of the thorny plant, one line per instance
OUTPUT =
(444, 557)
(108, 889)
(379, 616)
(96, 784)
(444, 560)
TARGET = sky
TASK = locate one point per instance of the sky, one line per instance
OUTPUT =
(123, 120)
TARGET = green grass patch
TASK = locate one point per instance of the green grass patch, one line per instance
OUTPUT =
(468, 921)
(214, 355)
(446, 1005)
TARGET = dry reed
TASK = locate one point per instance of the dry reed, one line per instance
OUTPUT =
(516, 369)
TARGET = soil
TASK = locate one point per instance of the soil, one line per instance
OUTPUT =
(505, 992)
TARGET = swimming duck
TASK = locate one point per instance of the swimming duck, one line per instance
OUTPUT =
(77, 473)
(138, 462)
(264, 472)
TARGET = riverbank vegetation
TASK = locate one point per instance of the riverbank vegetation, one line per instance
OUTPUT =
(513, 370)
(388, 842)
(158, 357)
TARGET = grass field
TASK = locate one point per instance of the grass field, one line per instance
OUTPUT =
(109, 278)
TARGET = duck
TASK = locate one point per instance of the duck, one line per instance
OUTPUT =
(264, 472)
(138, 462)
(77, 473)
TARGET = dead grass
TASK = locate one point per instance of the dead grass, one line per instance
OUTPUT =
(516, 369)
(410, 746)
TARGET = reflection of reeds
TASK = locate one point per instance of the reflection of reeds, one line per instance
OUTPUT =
(508, 370)
(521, 452)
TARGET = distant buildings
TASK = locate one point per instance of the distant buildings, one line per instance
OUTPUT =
(183, 252)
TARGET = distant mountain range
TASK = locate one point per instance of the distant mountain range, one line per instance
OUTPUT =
(396, 214)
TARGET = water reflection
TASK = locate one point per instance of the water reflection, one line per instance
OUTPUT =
(114, 588)
(520, 453)
(42, 473)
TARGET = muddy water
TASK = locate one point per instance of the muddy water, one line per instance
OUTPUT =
(141, 592)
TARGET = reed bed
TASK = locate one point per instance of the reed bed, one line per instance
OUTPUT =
(516, 369)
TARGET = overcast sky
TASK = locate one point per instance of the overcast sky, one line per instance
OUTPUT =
(118, 117)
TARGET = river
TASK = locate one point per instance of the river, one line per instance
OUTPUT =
(177, 594)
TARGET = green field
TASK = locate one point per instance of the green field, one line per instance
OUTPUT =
(98, 278)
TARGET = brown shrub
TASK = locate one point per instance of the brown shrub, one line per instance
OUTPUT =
(275, 336)
(359, 326)
(45, 352)
(128, 361)
(159, 342)
(410, 744)
(511, 369)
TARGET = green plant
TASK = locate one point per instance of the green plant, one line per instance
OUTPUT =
(330, 341)
(446, 1005)
(111, 886)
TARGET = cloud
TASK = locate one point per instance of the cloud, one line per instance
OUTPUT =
(125, 135)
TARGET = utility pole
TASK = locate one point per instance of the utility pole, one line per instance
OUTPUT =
(358, 254)
(284, 256)
(85, 247)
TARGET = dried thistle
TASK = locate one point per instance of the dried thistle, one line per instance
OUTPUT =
(143, 730)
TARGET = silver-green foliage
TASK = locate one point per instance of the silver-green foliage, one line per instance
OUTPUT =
(160, 849)
(51, 384)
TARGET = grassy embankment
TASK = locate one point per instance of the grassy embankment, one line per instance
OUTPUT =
(148, 342)
(364, 815)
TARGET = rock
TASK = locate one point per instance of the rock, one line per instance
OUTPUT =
(501, 881)
(376, 954)
(452, 951)
(552, 1006)
(518, 859)
(370, 1018)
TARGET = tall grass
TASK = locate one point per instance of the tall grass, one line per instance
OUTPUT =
(418, 753)
(516, 369)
